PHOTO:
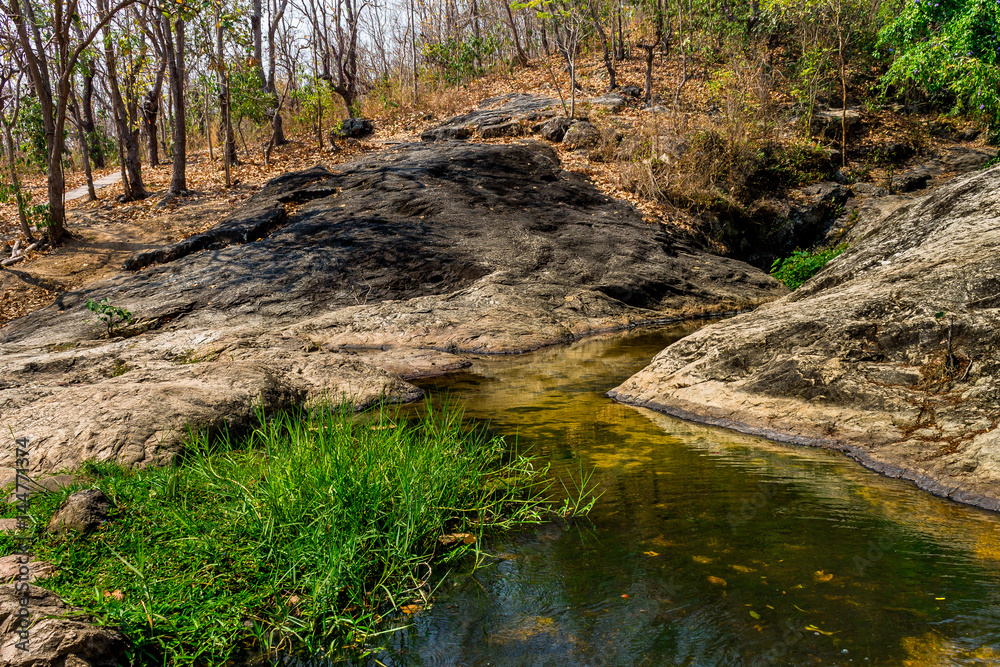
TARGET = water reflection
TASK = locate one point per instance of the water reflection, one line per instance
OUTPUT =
(708, 547)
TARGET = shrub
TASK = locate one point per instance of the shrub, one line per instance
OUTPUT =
(803, 265)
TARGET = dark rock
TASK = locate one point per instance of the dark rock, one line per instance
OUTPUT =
(912, 179)
(970, 134)
(60, 636)
(801, 223)
(555, 129)
(446, 133)
(82, 512)
(406, 258)
(509, 129)
(635, 92)
(581, 134)
(353, 128)
(897, 152)
(869, 190)
(857, 358)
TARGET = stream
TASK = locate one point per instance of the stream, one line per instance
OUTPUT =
(707, 547)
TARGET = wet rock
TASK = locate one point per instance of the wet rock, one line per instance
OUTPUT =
(82, 512)
(554, 130)
(353, 128)
(858, 358)
(404, 260)
(60, 636)
(581, 134)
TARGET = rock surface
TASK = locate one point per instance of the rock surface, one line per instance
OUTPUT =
(499, 116)
(10, 569)
(859, 357)
(82, 512)
(58, 635)
(342, 283)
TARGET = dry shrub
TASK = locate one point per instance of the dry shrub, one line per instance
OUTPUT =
(720, 162)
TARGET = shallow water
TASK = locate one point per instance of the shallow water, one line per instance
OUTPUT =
(708, 547)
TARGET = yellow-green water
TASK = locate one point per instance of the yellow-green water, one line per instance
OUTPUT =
(707, 548)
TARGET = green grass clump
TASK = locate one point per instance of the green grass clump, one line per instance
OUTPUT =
(803, 265)
(297, 539)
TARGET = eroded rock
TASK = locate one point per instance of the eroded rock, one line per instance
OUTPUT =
(336, 284)
(581, 134)
(60, 636)
(858, 358)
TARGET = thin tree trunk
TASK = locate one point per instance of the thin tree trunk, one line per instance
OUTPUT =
(129, 139)
(175, 69)
(15, 182)
(522, 58)
(82, 138)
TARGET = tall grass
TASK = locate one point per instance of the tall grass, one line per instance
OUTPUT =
(299, 538)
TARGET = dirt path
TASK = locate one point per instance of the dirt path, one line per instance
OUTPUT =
(103, 181)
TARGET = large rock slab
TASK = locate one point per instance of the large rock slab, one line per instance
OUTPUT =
(891, 353)
(500, 116)
(338, 283)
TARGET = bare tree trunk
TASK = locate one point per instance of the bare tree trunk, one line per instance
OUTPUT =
(82, 138)
(608, 63)
(228, 138)
(277, 126)
(175, 68)
(15, 181)
(87, 110)
(129, 137)
(150, 110)
(522, 58)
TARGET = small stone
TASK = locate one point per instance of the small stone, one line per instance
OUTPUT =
(582, 135)
(555, 129)
(82, 512)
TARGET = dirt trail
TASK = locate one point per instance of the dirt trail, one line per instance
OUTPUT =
(102, 182)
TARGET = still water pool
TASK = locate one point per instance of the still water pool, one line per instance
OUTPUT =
(707, 548)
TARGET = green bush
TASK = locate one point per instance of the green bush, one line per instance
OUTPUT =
(948, 51)
(803, 265)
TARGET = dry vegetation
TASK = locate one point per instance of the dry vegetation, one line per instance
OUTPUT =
(718, 142)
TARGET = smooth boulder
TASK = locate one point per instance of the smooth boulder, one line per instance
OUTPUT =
(891, 353)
